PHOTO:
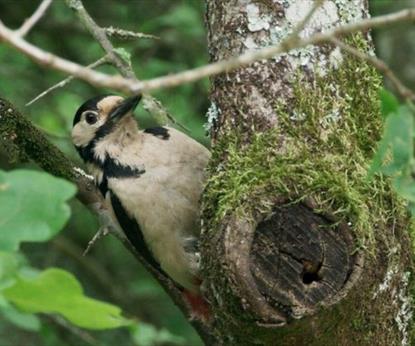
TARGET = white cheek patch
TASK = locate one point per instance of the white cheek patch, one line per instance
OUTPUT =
(82, 134)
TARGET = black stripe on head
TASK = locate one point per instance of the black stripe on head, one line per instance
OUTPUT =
(159, 132)
(132, 231)
(104, 130)
(91, 104)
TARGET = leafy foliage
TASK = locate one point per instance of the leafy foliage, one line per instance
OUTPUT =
(32, 207)
(22, 320)
(57, 291)
(395, 153)
(146, 335)
(109, 271)
(397, 140)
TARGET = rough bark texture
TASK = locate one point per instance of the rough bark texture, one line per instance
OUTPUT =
(299, 248)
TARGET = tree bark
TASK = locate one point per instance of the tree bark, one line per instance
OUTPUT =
(299, 247)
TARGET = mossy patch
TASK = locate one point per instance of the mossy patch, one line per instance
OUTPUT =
(22, 141)
(321, 149)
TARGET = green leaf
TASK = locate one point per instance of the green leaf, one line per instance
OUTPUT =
(9, 265)
(20, 319)
(396, 145)
(411, 207)
(32, 207)
(57, 291)
(147, 335)
(123, 54)
(389, 103)
(405, 187)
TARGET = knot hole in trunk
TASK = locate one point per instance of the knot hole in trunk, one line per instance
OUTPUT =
(301, 260)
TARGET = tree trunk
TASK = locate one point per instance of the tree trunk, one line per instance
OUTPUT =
(299, 247)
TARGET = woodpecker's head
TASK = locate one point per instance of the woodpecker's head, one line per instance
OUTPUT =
(99, 116)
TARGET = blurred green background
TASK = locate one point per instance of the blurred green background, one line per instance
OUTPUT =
(109, 272)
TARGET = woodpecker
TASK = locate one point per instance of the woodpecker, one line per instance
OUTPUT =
(151, 179)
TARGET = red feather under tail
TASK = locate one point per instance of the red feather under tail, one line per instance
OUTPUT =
(199, 306)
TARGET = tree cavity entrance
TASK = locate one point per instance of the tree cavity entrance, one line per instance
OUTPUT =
(311, 272)
(301, 260)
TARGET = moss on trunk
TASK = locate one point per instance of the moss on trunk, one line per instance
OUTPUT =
(312, 148)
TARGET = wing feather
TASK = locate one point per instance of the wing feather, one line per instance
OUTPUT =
(132, 230)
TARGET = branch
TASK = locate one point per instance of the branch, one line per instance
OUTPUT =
(100, 35)
(19, 136)
(248, 58)
(301, 25)
(401, 89)
(52, 61)
(34, 18)
(130, 86)
(82, 334)
(66, 81)
(125, 35)
(152, 105)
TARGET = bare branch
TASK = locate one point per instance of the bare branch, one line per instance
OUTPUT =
(301, 25)
(66, 81)
(130, 86)
(102, 232)
(160, 113)
(55, 62)
(402, 90)
(100, 35)
(248, 58)
(80, 333)
(152, 105)
(30, 22)
(125, 35)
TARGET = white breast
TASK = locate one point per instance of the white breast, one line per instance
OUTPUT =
(165, 199)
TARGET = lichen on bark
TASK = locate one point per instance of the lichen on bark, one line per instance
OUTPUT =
(297, 128)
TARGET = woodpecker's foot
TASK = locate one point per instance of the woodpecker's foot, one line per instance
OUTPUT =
(200, 308)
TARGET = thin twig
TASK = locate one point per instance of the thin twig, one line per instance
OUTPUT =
(100, 35)
(133, 87)
(66, 81)
(125, 35)
(302, 24)
(102, 232)
(157, 110)
(30, 22)
(55, 62)
(80, 333)
(94, 268)
(404, 91)
(248, 58)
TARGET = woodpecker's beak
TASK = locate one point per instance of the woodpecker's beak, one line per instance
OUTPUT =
(124, 107)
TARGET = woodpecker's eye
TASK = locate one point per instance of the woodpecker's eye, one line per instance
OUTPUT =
(91, 118)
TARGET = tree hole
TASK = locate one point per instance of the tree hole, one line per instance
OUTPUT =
(311, 272)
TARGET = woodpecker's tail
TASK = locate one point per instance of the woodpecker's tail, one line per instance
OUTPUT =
(199, 306)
